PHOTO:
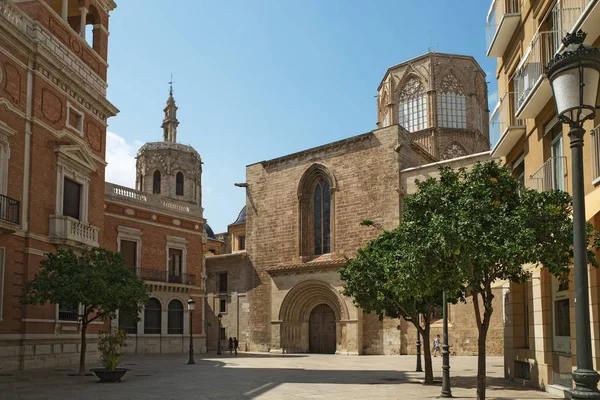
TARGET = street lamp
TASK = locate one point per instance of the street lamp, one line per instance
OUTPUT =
(446, 391)
(191, 307)
(574, 75)
(419, 368)
(219, 336)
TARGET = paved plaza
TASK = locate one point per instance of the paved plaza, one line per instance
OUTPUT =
(262, 376)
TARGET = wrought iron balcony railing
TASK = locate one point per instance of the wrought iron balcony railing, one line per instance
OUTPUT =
(10, 210)
(157, 275)
(550, 176)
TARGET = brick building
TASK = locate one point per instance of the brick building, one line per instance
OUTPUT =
(303, 214)
(53, 119)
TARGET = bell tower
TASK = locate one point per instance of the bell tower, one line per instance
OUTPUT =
(170, 169)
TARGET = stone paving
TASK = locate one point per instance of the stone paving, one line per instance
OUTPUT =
(262, 376)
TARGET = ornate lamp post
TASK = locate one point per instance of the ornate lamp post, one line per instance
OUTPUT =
(446, 391)
(191, 306)
(574, 75)
(419, 368)
(219, 336)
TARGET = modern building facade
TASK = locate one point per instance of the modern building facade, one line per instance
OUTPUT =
(524, 35)
(303, 214)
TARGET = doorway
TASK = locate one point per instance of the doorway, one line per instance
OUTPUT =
(322, 330)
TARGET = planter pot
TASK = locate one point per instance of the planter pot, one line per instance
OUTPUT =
(106, 375)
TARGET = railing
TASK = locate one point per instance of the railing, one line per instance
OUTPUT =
(11, 13)
(64, 228)
(543, 47)
(503, 118)
(550, 176)
(122, 192)
(10, 210)
(157, 275)
(67, 313)
(595, 134)
(497, 11)
(566, 13)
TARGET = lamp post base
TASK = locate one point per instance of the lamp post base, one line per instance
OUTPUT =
(419, 367)
(586, 384)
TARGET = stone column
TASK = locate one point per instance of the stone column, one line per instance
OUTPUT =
(65, 10)
(83, 15)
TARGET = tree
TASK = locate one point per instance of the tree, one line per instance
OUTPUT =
(387, 278)
(487, 228)
(96, 279)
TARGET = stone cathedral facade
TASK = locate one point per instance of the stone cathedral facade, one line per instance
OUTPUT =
(282, 291)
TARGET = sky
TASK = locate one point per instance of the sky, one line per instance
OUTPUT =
(259, 79)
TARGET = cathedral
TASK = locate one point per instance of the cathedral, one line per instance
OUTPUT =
(273, 278)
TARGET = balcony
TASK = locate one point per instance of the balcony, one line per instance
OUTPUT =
(500, 25)
(550, 176)
(572, 15)
(10, 214)
(532, 87)
(156, 275)
(70, 231)
(505, 128)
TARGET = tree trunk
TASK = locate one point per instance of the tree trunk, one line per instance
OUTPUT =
(482, 340)
(427, 354)
(82, 349)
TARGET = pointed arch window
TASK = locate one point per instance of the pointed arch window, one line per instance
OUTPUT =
(451, 104)
(322, 217)
(156, 182)
(412, 106)
(179, 184)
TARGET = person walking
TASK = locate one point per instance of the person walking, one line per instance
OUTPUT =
(436, 346)
(230, 345)
(236, 344)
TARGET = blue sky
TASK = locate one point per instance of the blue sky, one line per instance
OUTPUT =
(259, 79)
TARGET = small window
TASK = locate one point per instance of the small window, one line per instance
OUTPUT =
(223, 282)
(175, 318)
(519, 170)
(67, 312)
(1, 281)
(156, 182)
(129, 251)
(175, 265)
(75, 119)
(179, 184)
(71, 199)
(222, 305)
(242, 243)
(212, 251)
(128, 322)
(152, 317)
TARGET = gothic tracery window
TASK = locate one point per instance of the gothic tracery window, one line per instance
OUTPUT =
(451, 104)
(454, 150)
(322, 217)
(412, 106)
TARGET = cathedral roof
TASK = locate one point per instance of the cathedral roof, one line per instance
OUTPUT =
(209, 232)
(241, 218)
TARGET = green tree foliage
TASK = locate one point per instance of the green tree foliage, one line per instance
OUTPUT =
(386, 279)
(96, 279)
(486, 228)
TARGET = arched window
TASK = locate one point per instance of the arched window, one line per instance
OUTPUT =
(156, 182)
(152, 316)
(175, 318)
(451, 104)
(128, 322)
(179, 184)
(412, 106)
(322, 217)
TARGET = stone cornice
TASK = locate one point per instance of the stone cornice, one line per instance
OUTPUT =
(308, 267)
(326, 148)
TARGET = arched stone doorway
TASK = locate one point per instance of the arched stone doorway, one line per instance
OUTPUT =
(321, 330)
(311, 308)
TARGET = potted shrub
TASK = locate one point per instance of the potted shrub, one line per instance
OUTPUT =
(110, 347)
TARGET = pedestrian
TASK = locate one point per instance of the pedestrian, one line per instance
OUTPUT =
(436, 346)
(236, 344)
(230, 345)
